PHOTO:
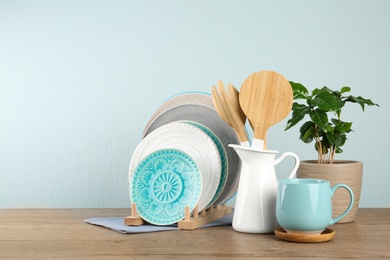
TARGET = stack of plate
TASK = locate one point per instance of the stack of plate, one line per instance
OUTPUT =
(183, 160)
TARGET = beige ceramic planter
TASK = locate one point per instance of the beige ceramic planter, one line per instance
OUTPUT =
(347, 172)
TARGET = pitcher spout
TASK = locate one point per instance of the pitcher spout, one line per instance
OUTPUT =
(249, 154)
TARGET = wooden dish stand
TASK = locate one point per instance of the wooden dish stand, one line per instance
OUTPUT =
(190, 221)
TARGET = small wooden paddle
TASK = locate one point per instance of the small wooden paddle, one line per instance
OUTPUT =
(266, 98)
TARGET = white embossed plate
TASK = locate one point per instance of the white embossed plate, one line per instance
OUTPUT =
(222, 154)
(194, 142)
(163, 184)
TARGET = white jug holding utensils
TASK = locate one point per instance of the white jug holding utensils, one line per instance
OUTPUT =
(255, 208)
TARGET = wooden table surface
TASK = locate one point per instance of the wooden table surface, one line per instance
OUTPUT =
(63, 234)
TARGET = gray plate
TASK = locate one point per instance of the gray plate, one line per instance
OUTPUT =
(208, 117)
(185, 98)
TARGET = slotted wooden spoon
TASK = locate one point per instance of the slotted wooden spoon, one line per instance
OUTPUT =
(266, 98)
(228, 108)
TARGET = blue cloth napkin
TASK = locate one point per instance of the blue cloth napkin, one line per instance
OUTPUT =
(117, 224)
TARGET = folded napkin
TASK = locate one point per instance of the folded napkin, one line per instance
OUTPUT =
(117, 224)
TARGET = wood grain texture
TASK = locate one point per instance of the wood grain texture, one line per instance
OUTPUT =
(228, 108)
(266, 98)
(327, 235)
(63, 234)
(342, 171)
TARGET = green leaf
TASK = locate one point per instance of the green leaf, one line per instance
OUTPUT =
(339, 138)
(330, 137)
(320, 118)
(325, 142)
(345, 89)
(326, 89)
(339, 150)
(299, 112)
(299, 91)
(361, 101)
(308, 132)
(326, 101)
(320, 132)
(316, 91)
(341, 126)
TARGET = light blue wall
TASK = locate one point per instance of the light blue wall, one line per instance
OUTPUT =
(79, 79)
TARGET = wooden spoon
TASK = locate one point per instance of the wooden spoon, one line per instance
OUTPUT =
(235, 101)
(266, 98)
(228, 108)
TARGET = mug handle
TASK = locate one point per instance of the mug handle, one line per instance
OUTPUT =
(352, 199)
(296, 165)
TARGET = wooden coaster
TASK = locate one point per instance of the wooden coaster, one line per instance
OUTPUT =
(326, 235)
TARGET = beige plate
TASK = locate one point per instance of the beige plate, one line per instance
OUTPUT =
(326, 235)
(185, 98)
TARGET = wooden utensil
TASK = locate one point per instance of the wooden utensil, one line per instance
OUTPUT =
(228, 108)
(266, 98)
(233, 97)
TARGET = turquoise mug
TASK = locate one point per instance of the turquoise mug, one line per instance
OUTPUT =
(304, 206)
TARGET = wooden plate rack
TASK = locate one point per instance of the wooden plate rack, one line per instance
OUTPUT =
(191, 221)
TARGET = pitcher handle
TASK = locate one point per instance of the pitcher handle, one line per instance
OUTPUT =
(296, 165)
(352, 199)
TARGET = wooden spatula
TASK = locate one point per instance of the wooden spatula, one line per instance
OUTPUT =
(266, 98)
(228, 108)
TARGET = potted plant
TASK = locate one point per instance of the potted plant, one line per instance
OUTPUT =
(328, 130)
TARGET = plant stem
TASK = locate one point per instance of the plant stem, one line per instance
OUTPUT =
(318, 140)
(333, 153)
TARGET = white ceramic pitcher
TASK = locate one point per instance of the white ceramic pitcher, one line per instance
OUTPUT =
(255, 209)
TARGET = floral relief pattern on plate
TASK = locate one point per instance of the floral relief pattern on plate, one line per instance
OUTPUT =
(163, 184)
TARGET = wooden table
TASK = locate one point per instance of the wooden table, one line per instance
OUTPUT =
(63, 234)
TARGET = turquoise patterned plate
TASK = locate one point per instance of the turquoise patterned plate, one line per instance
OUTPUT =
(163, 183)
